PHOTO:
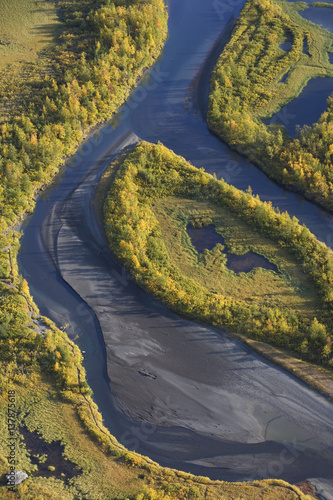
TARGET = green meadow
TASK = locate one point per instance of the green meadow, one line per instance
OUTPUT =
(26, 28)
(289, 288)
(322, 4)
(255, 76)
(155, 194)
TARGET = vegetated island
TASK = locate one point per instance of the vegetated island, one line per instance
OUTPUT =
(153, 200)
(254, 77)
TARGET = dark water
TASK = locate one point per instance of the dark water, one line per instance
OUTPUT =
(305, 47)
(307, 107)
(284, 78)
(160, 110)
(64, 468)
(250, 260)
(206, 238)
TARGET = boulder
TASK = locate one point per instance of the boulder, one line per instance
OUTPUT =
(16, 477)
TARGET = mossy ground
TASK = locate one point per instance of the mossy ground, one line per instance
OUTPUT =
(322, 4)
(28, 30)
(41, 408)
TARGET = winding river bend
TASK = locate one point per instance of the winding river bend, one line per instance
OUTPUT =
(208, 405)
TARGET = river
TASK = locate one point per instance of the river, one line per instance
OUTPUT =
(211, 406)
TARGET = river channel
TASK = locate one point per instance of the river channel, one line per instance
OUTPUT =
(208, 405)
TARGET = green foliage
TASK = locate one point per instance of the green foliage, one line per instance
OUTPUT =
(104, 48)
(246, 87)
(134, 234)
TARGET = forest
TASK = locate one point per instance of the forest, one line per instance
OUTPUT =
(152, 173)
(254, 77)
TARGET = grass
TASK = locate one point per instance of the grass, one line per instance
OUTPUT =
(42, 409)
(26, 28)
(291, 288)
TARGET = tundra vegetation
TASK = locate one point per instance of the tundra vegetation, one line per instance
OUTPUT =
(100, 51)
(65, 67)
(254, 77)
(26, 29)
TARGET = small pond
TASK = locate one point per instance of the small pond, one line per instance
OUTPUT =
(305, 47)
(307, 108)
(284, 78)
(206, 238)
(323, 16)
